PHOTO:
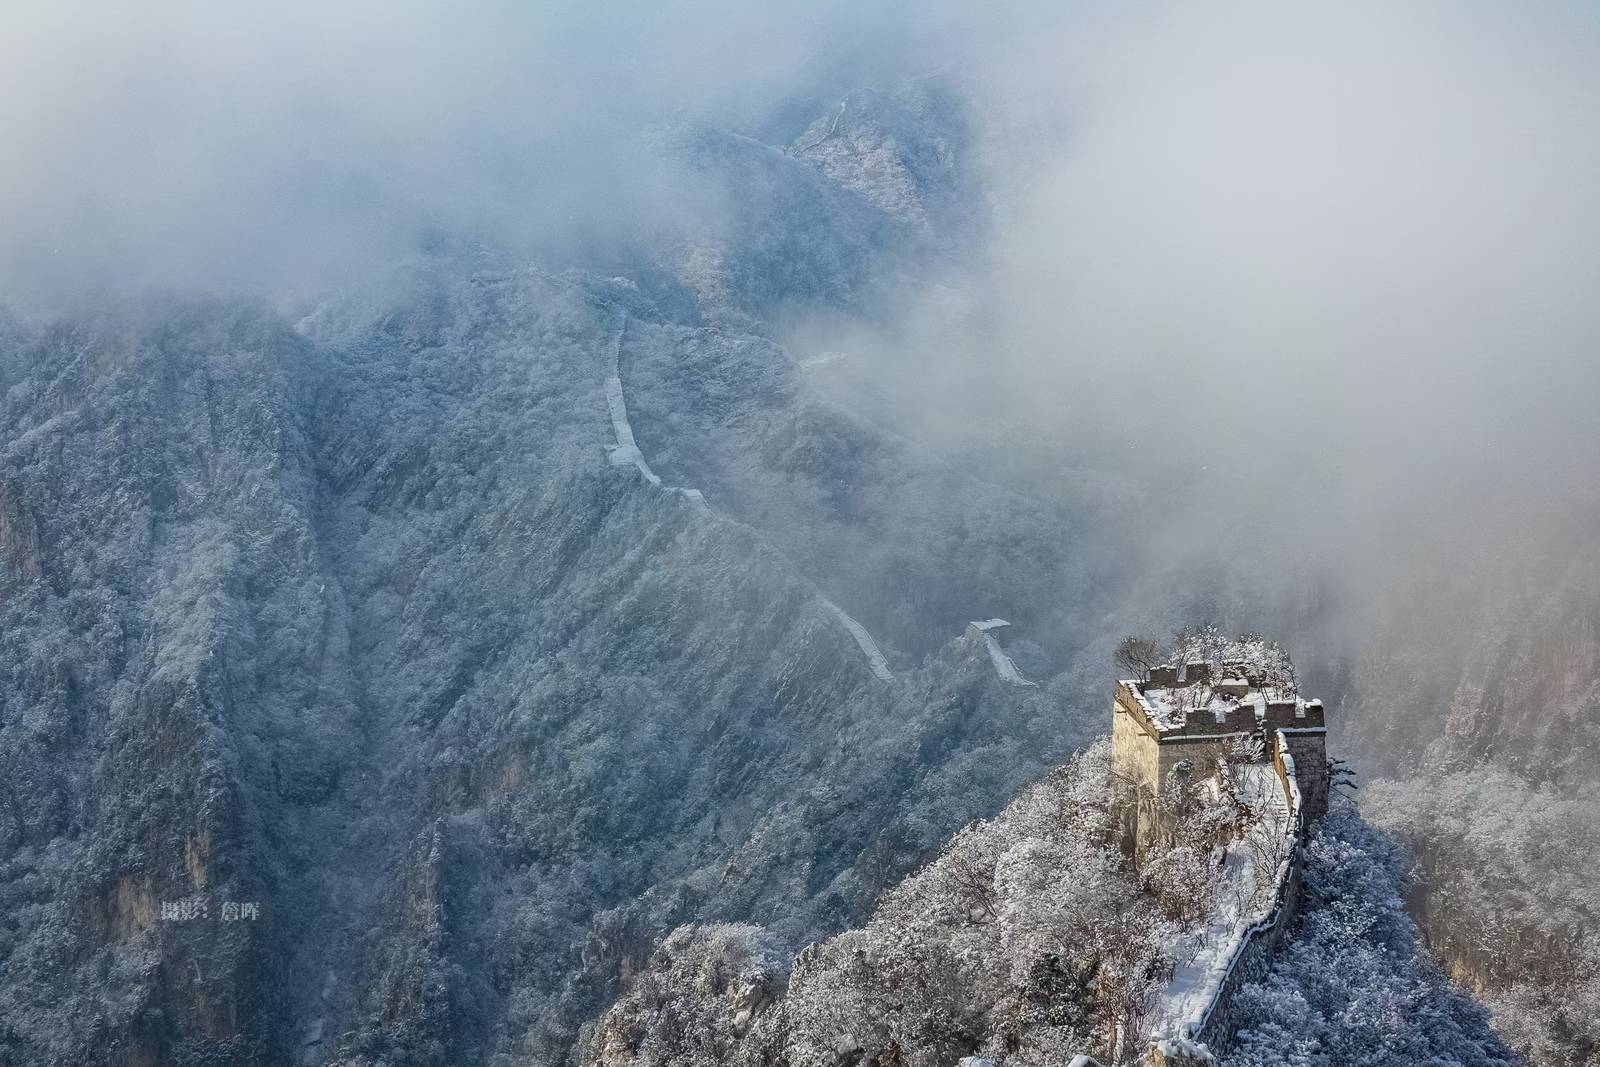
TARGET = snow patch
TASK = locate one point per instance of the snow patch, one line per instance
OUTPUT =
(1194, 1051)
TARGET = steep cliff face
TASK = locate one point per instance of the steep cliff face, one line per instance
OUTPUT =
(1500, 811)
(358, 708)
(1529, 694)
(162, 638)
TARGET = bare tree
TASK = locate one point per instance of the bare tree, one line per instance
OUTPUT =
(1341, 779)
(1128, 945)
(1268, 847)
(1139, 654)
(973, 885)
(1242, 749)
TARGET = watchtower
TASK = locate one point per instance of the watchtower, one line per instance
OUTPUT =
(1193, 712)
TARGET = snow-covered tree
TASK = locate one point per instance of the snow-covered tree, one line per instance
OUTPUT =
(1351, 986)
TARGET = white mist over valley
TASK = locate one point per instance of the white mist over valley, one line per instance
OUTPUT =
(799, 534)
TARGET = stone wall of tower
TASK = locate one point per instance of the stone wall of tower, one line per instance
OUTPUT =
(1309, 747)
(1142, 758)
(1135, 751)
(1136, 766)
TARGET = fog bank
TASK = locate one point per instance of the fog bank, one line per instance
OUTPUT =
(1328, 272)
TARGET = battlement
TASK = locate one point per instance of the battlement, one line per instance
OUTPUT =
(1170, 707)
(1197, 713)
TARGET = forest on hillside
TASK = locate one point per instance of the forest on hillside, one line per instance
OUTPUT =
(507, 514)
(1032, 939)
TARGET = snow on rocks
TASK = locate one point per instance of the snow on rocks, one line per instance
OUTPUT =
(1179, 1052)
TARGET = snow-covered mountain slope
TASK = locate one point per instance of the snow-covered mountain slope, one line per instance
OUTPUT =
(347, 617)
(1500, 809)
(1031, 939)
(337, 615)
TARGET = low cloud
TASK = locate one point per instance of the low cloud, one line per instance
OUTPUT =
(1330, 270)
(264, 145)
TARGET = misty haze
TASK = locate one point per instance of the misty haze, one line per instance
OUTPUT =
(808, 533)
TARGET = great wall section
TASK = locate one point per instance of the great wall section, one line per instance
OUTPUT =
(1252, 954)
(1188, 716)
(1173, 716)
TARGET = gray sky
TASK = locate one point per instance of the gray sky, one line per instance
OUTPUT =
(1343, 254)
(1336, 264)
(258, 143)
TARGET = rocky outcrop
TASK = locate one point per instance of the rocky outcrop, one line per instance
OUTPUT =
(1498, 810)
(19, 536)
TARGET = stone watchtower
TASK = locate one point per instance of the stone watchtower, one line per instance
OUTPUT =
(1194, 712)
